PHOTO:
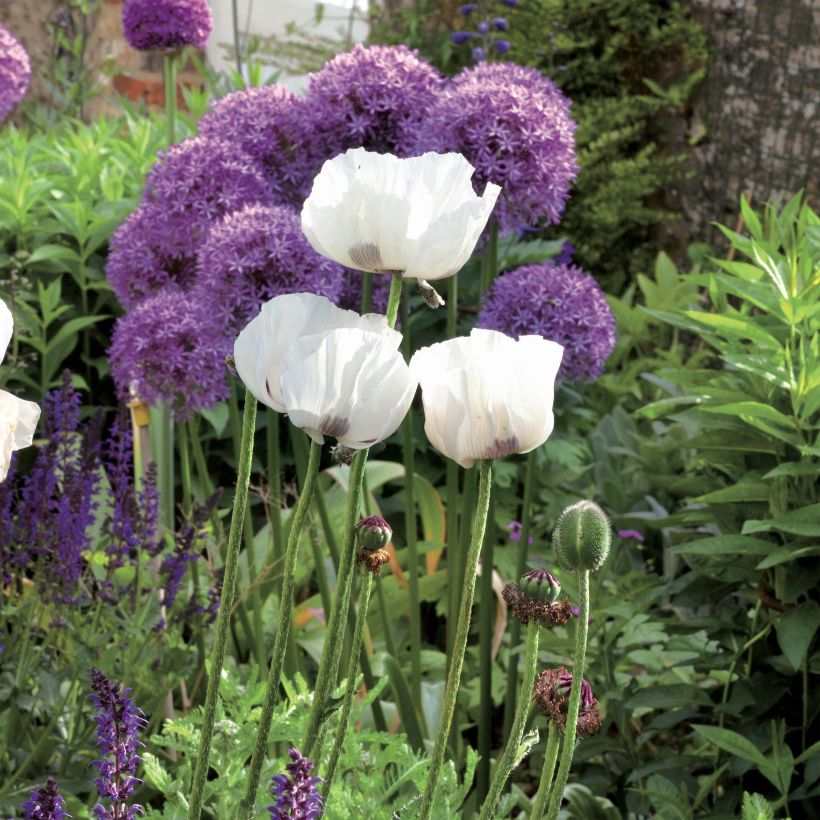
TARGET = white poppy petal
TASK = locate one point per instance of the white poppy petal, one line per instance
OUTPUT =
(6, 327)
(18, 421)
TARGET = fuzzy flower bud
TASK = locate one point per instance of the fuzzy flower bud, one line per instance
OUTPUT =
(582, 537)
(374, 533)
(551, 695)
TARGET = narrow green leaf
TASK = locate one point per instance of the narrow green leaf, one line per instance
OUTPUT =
(795, 631)
(725, 545)
(733, 743)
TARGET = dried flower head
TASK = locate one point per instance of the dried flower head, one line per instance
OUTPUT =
(559, 302)
(551, 695)
(373, 560)
(15, 72)
(297, 792)
(372, 97)
(45, 802)
(257, 253)
(166, 25)
(535, 598)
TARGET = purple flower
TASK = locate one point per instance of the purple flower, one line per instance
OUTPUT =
(459, 37)
(15, 72)
(272, 126)
(565, 256)
(118, 724)
(483, 27)
(136, 267)
(166, 25)
(45, 802)
(515, 532)
(193, 185)
(467, 9)
(501, 46)
(371, 97)
(297, 794)
(255, 254)
(510, 3)
(559, 302)
(514, 126)
(631, 534)
(167, 349)
(500, 23)
(478, 54)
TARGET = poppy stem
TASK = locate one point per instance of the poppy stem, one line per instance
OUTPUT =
(545, 784)
(460, 642)
(240, 503)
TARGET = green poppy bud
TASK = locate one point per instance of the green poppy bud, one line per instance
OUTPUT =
(374, 533)
(582, 537)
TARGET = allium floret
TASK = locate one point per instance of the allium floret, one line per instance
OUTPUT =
(273, 127)
(15, 72)
(255, 254)
(45, 802)
(372, 97)
(297, 792)
(559, 302)
(514, 125)
(119, 722)
(167, 349)
(166, 25)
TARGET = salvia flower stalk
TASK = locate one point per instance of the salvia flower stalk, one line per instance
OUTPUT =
(45, 802)
(119, 722)
(297, 791)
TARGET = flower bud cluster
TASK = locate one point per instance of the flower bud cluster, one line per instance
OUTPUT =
(484, 38)
(535, 598)
(551, 695)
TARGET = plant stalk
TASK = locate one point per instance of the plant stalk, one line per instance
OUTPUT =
(545, 784)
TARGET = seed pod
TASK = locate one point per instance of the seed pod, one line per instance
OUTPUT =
(374, 533)
(582, 537)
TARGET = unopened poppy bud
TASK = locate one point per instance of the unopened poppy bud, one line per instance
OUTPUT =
(540, 584)
(582, 537)
(374, 533)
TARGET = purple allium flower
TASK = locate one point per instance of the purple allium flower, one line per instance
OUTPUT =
(297, 794)
(15, 72)
(515, 532)
(118, 724)
(634, 535)
(193, 185)
(515, 127)
(166, 25)
(371, 97)
(167, 349)
(559, 302)
(136, 267)
(255, 254)
(45, 802)
(272, 126)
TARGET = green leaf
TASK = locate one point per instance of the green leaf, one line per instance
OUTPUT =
(735, 327)
(670, 696)
(786, 554)
(747, 492)
(733, 743)
(725, 545)
(754, 409)
(794, 468)
(805, 521)
(795, 631)
(756, 807)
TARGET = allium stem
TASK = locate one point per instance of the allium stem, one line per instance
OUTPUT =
(170, 88)
(350, 690)
(545, 783)
(460, 643)
(574, 697)
(520, 569)
(240, 502)
(509, 757)
(280, 642)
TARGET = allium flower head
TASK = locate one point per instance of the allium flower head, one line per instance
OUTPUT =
(558, 302)
(167, 349)
(15, 72)
(255, 254)
(119, 722)
(45, 802)
(136, 266)
(373, 97)
(273, 127)
(515, 127)
(551, 695)
(194, 184)
(166, 25)
(297, 792)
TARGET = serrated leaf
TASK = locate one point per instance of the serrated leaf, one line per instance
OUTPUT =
(756, 807)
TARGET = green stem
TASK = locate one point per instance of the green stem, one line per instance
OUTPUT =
(170, 83)
(460, 644)
(545, 784)
(274, 481)
(489, 261)
(350, 684)
(509, 756)
(283, 627)
(225, 605)
(452, 487)
(574, 697)
(162, 424)
(520, 567)
(486, 611)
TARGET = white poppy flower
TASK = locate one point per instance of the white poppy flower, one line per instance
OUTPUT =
(379, 213)
(487, 395)
(261, 346)
(350, 384)
(18, 418)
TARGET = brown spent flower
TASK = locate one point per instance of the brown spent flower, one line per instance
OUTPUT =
(373, 560)
(551, 695)
(527, 609)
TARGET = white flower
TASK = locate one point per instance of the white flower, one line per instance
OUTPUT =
(350, 384)
(487, 395)
(379, 213)
(261, 346)
(18, 418)
(333, 372)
